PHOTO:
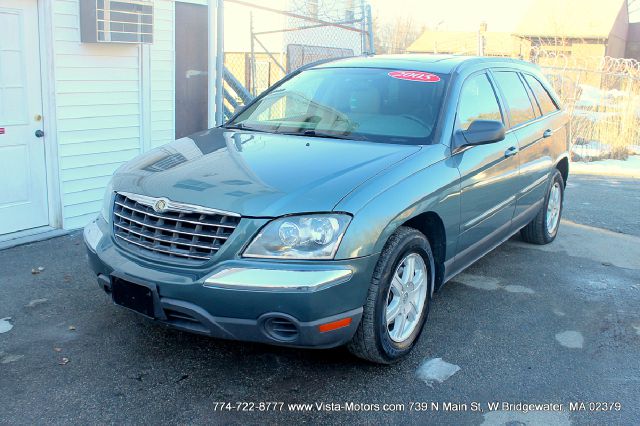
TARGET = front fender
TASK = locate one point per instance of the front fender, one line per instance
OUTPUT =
(435, 188)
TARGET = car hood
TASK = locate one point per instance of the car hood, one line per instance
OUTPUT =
(258, 174)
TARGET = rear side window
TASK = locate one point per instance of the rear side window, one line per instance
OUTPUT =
(544, 99)
(518, 100)
(477, 102)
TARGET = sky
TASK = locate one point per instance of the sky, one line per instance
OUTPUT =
(459, 15)
(453, 15)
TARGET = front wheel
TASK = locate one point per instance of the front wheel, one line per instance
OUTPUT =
(544, 227)
(398, 301)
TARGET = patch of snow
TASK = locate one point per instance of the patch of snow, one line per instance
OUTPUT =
(570, 339)
(597, 284)
(627, 168)
(10, 358)
(489, 283)
(436, 370)
(478, 281)
(36, 302)
(590, 149)
(518, 289)
(5, 325)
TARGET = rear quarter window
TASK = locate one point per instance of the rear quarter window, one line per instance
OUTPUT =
(520, 107)
(547, 105)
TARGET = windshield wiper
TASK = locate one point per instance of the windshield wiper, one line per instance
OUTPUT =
(315, 134)
(241, 126)
(309, 132)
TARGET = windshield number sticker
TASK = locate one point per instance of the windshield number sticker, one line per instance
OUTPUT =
(421, 76)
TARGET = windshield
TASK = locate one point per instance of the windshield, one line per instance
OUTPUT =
(378, 105)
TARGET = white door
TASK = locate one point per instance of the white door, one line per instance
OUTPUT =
(23, 186)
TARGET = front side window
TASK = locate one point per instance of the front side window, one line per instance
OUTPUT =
(544, 99)
(518, 100)
(477, 102)
(349, 103)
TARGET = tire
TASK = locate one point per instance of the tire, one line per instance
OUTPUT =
(537, 231)
(373, 340)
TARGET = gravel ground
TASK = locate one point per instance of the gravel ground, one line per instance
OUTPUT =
(526, 324)
(611, 203)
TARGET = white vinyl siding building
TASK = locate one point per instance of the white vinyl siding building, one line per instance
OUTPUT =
(101, 105)
(112, 102)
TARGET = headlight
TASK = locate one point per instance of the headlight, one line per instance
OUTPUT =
(300, 237)
(107, 203)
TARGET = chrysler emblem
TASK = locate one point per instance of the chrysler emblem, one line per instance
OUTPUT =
(160, 205)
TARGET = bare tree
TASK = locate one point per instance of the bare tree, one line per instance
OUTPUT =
(396, 36)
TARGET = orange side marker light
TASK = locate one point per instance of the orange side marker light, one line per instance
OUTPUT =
(330, 326)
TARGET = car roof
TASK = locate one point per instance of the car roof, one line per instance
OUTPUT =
(444, 64)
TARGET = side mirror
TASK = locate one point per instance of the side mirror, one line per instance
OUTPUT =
(482, 132)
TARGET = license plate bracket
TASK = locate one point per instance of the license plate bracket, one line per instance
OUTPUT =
(137, 297)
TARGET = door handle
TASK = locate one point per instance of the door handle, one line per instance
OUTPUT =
(511, 151)
(39, 133)
(547, 133)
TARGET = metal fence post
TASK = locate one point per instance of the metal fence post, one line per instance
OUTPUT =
(372, 49)
(219, 118)
(252, 75)
(212, 9)
(215, 74)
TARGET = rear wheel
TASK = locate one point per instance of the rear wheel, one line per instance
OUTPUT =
(544, 227)
(398, 300)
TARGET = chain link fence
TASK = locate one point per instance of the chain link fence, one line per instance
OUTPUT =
(602, 96)
(600, 93)
(264, 41)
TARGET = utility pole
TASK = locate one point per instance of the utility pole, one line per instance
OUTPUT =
(482, 38)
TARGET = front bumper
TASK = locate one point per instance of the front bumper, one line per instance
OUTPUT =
(277, 302)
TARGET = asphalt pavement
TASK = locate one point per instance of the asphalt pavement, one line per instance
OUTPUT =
(557, 324)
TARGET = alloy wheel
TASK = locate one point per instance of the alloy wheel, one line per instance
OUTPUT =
(406, 297)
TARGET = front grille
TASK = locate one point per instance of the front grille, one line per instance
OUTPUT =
(180, 231)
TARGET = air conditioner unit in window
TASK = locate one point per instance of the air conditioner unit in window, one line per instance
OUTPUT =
(116, 21)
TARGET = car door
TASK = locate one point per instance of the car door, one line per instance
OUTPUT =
(533, 130)
(488, 173)
(550, 136)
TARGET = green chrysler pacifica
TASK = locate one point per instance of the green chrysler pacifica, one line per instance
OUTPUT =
(328, 210)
